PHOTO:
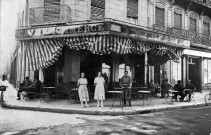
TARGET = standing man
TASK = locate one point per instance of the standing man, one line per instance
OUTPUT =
(126, 85)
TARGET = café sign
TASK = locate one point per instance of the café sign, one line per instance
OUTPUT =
(61, 30)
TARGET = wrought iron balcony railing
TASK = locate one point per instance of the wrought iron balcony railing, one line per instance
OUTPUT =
(172, 31)
(49, 15)
(203, 2)
(194, 37)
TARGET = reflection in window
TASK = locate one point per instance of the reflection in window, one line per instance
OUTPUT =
(122, 69)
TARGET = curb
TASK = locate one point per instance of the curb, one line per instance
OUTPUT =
(107, 112)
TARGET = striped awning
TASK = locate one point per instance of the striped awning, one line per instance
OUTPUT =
(106, 44)
(42, 53)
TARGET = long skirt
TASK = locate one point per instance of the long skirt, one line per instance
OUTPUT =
(99, 92)
(83, 93)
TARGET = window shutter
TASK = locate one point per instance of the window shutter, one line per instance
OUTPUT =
(206, 28)
(51, 2)
(178, 21)
(160, 16)
(132, 8)
(97, 8)
(193, 25)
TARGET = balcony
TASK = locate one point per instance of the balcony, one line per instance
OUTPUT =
(49, 15)
(206, 3)
(194, 37)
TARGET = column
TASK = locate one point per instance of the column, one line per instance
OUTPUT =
(145, 69)
(201, 74)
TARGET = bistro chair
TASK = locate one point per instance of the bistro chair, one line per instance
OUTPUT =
(73, 94)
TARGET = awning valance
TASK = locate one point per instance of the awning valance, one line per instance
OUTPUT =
(42, 53)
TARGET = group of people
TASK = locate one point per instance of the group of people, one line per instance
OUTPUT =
(99, 94)
(181, 91)
(27, 82)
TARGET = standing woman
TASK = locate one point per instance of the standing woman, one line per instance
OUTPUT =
(83, 91)
(99, 89)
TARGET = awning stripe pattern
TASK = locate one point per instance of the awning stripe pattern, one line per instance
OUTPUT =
(42, 53)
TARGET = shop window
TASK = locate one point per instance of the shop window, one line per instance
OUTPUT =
(206, 28)
(193, 25)
(53, 13)
(97, 9)
(132, 11)
(177, 20)
(159, 16)
(122, 69)
(177, 70)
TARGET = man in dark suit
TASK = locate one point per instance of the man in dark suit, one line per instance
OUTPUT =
(190, 88)
(37, 84)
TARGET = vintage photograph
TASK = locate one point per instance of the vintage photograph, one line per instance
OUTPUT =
(105, 67)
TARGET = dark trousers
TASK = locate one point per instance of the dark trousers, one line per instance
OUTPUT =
(189, 93)
(164, 92)
(19, 93)
(126, 95)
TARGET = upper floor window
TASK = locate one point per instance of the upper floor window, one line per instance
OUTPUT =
(52, 2)
(206, 28)
(177, 20)
(132, 11)
(193, 24)
(97, 9)
(159, 16)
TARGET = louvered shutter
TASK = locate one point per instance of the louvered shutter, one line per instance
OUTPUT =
(160, 16)
(97, 8)
(132, 8)
(178, 21)
(193, 25)
(51, 2)
(206, 28)
(52, 11)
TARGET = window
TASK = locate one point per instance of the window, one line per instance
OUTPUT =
(51, 2)
(207, 71)
(51, 14)
(177, 70)
(193, 25)
(206, 28)
(97, 9)
(160, 16)
(177, 20)
(122, 69)
(132, 11)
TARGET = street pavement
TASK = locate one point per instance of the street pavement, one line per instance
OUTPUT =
(195, 121)
(62, 106)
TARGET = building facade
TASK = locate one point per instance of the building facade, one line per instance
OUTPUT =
(152, 39)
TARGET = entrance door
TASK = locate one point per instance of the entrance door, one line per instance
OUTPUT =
(194, 72)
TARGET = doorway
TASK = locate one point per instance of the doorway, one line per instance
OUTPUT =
(194, 72)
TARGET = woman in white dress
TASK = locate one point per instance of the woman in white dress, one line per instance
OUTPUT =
(99, 89)
(82, 90)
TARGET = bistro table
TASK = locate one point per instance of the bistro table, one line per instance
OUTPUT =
(28, 90)
(117, 95)
(170, 99)
(145, 95)
(47, 94)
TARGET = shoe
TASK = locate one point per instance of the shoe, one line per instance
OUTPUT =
(102, 106)
(87, 105)
(97, 105)
(18, 98)
(130, 105)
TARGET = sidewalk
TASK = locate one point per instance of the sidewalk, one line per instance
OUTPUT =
(62, 105)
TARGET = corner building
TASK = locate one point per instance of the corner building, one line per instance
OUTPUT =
(152, 39)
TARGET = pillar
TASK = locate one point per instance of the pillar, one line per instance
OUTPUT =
(145, 69)
(201, 76)
(115, 68)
